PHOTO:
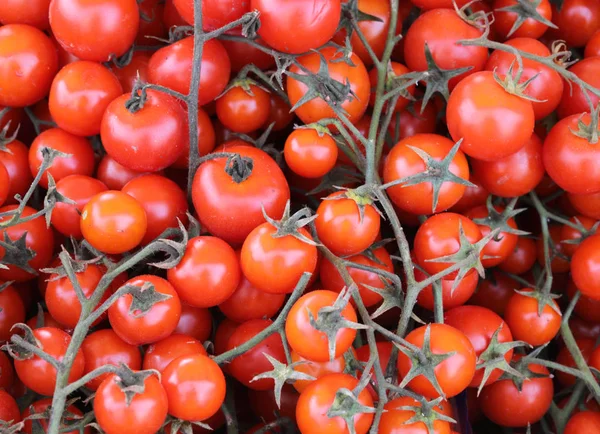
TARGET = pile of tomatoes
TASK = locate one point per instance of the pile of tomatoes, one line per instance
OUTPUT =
(274, 216)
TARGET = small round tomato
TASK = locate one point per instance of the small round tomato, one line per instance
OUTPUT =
(317, 108)
(229, 197)
(503, 403)
(39, 239)
(575, 101)
(118, 412)
(208, 273)
(4, 184)
(79, 96)
(586, 204)
(342, 227)
(404, 162)
(453, 374)
(564, 357)
(161, 353)
(394, 419)
(7, 373)
(592, 48)
(313, 26)
(15, 158)
(570, 237)
(171, 66)
(39, 375)
(145, 324)
(242, 54)
(137, 67)
(151, 23)
(306, 340)
(585, 265)
(413, 120)
(472, 197)
(164, 202)
(12, 311)
(310, 153)
(9, 410)
(80, 159)
(254, 362)
(521, 259)
(504, 21)
(559, 262)
(206, 140)
(384, 351)
(222, 335)
(148, 137)
(316, 400)
(265, 407)
(577, 21)
(215, 13)
(39, 409)
(527, 325)
(32, 12)
(28, 63)
(95, 31)
(113, 174)
(452, 294)
(477, 113)
(103, 348)
(316, 369)
(113, 222)
(586, 308)
(195, 322)
(587, 422)
(244, 110)
(440, 30)
(439, 237)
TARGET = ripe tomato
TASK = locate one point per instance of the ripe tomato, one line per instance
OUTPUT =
(39, 375)
(215, 13)
(208, 273)
(569, 234)
(231, 210)
(206, 140)
(161, 353)
(316, 400)
(254, 362)
(113, 222)
(547, 87)
(478, 111)
(28, 63)
(79, 162)
(306, 340)
(586, 204)
(195, 322)
(343, 228)
(151, 23)
(433, 4)
(40, 408)
(113, 174)
(394, 420)
(439, 236)
(7, 373)
(316, 369)
(104, 347)
(574, 100)
(9, 410)
(171, 66)
(313, 26)
(309, 153)
(413, 120)
(12, 311)
(242, 54)
(508, 406)
(577, 21)
(80, 189)
(148, 139)
(195, 386)
(384, 350)
(145, 325)
(116, 412)
(472, 197)
(559, 259)
(586, 308)
(441, 29)
(565, 358)
(587, 422)
(521, 259)
(95, 31)
(397, 70)
(592, 48)
(244, 111)
(265, 407)
(584, 267)
(222, 335)
(403, 161)
(32, 12)
(128, 74)
(522, 317)
(530, 28)
(455, 373)
(38, 238)
(451, 296)
(317, 108)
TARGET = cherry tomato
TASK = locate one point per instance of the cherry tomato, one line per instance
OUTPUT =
(570, 237)
(242, 54)
(592, 48)
(151, 23)
(565, 358)
(530, 28)
(32, 12)
(244, 110)
(310, 153)
(40, 407)
(12, 311)
(265, 407)
(316, 369)
(9, 410)
(222, 335)
(95, 31)
(452, 294)
(559, 261)
(7, 373)
(521, 259)
(413, 120)
(395, 419)
(472, 197)
(215, 13)
(586, 204)
(587, 422)
(577, 21)
(160, 354)
(128, 74)
(522, 317)
(574, 101)
(113, 174)
(584, 267)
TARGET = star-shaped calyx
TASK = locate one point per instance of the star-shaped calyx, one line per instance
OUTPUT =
(524, 10)
(176, 426)
(68, 418)
(16, 253)
(589, 131)
(521, 365)
(10, 427)
(131, 382)
(53, 196)
(18, 351)
(426, 413)
(143, 298)
(291, 225)
(511, 82)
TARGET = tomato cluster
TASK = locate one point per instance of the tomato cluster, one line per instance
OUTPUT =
(325, 217)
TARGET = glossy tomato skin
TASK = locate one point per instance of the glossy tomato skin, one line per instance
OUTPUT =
(43, 405)
(104, 347)
(592, 48)
(157, 323)
(451, 296)
(171, 66)
(113, 222)
(314, 23)
(570, 235)
(316, 369)
(586, 204)
(195, 386)
(564, 357)
(526, 325)
(161, 353)
(340, 226)
(244, 111)
(530, 28)
(113, 174)
(440, 29)
(317, 398)
(80, 94)
(195, 322)
(208, 273)
(309, 342)
(33, 13)
(587, 422)
(394, 420)
(16, 163)
(309, 153)
(253, 362)
(28, 63)
(505, 405)
(7, 372)
(403, 162)
(478, 112)
(38, 238)
(79, 162)
(577, 21)
(95, 30)
(128, 74)
(150, 139)
(571, 161)
(231, 210)
(453, 374)
(9, 410)
(548, 85)
(574, 101)
(215, 13)
(316, 109)
(146, 411)
(80, 189)
(39, 375)
(206, 140)
(12, 311)
(585, 265)
(522, 258)
(276, 264)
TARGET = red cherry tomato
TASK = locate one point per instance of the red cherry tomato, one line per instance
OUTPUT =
(160, 354)
(526, 325)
